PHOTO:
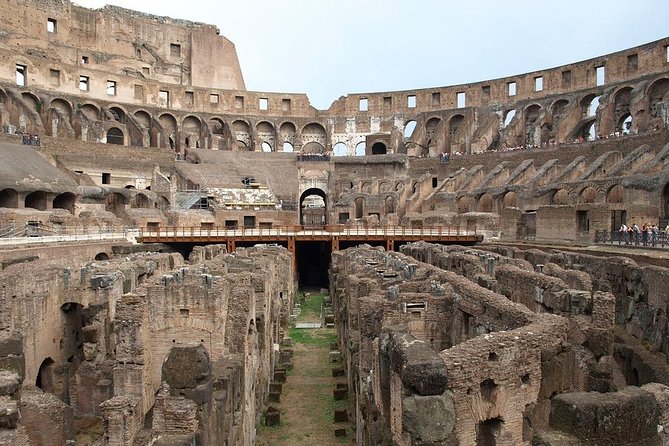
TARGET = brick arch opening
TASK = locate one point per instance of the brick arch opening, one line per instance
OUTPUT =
(65, 201)
(379, 148)
(115, 136)
(9, 198)
(36, 200)
(313, 207)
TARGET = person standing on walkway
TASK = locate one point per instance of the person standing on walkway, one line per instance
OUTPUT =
(637, 233)
(623, 233)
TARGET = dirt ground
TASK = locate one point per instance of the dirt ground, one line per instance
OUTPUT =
(307, 406)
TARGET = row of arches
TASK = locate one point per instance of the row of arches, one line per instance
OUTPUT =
(143, 127)
(562, 197)
(588, 195)
(591, 116)
(39, 200)
(9, 198)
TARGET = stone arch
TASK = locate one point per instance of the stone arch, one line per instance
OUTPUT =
(312, 148)
(658, 97)
(217, 126)
(464, 204)
(587, 129)
(409, 128)
(118, 114)
(315, 211)
(192, 129)
(36, 200)
(65, 201)
(532, 113)
(32, 100)
(379, 148)
(561, 197)
(508, 117)
(454, 124)
(90, 111)
(143, 118)
(266, 134)
(115, 136)
(622, 101)
(288, 133)
(510, 200)
(313, 132)
(589, 105)
(615, 194)
(141, 201)
(624, 124)
(169, 125)
(168, 122)
(485, 203)
(559, 109)
(9, 198)
(45, 376)
(360, 148)
(116, 203)
(63, 106)
(101, 256)
(340, 149)
(587, 195)
(431, 126)
(242, 131)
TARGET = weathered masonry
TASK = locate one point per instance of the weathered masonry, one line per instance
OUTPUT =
(462, 346)
(148, 346)
(119, 127)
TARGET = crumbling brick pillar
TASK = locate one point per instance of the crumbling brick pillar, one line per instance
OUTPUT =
(123, 419)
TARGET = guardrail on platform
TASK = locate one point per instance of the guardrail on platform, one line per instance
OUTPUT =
(293, 231)
(659, 240)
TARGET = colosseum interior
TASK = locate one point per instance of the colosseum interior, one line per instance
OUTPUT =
(161, 227)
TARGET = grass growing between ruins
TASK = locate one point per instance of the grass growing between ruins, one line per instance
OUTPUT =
(318, 337)
(307, 404)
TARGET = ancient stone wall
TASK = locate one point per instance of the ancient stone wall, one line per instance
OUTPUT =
(499, 366)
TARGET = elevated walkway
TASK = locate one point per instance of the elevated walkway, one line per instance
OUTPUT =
(289, 235)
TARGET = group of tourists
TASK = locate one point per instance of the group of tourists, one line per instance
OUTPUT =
(30, 140)
(646, 235)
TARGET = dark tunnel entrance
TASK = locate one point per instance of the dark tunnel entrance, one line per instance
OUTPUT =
(313, 262)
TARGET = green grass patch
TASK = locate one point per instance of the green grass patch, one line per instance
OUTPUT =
(312, 305)
(315, 337)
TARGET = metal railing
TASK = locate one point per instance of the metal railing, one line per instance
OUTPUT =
(301, 231)
(35, 233)
(652, 240)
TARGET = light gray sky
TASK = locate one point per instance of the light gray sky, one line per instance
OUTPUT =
(330, 48)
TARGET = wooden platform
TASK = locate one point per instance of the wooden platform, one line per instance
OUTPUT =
(290, 235)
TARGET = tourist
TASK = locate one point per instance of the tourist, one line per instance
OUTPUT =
(637, 233)
(644, 234)
(654, 230)
(623, 233)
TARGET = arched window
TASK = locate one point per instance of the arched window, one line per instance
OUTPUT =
(339, 149)
(409, 128)
(115, 136)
